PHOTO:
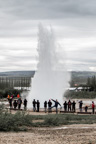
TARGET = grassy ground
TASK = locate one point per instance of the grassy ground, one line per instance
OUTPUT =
(65, 119)
(21, 121)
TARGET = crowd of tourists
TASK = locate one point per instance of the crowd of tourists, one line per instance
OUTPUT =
(16, 103)
(36, 104)
(71, 106)
(68, 106)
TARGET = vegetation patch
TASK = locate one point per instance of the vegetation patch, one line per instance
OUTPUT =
(80, 95)
(22, 121)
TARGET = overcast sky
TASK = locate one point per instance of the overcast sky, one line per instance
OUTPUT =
(74, 24)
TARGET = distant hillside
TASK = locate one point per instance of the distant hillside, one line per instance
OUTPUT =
(18, 73)
(81, 76)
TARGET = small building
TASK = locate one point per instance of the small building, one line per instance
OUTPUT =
(79, 89)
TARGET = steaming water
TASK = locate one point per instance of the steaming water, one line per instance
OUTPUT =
(51, 79)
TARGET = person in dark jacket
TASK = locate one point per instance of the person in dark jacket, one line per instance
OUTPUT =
(65, 106)
(86, 108)
(25, 104)
(38, 105)
(34, 105)
(80, 105)
(73, 106)
(49, 106)
(45, 106)
(15, 104)
(19, 103)
(56, 105)
(69, 105)
(10, 102)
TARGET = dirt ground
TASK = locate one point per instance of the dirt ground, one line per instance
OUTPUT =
(72, 134)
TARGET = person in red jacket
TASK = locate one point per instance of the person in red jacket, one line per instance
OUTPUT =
(93, 107)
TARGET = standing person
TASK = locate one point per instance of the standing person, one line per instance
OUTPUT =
(45, 106)
(65, 106)
(69, 105)
(34, 105)
(25, 104)
(56, 105)
(93, 107)
(19, 103)
(38, 105)
(86, 108)
(73, 106)
(10, 102)
(80, 105)
(15, 104)
(49, 106)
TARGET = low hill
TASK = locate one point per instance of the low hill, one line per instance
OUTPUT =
(81, 77)
(18, 73)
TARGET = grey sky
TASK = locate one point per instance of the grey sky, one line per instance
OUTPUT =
(74, 24)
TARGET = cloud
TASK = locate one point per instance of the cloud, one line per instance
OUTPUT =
(51, 9)
(74, 23)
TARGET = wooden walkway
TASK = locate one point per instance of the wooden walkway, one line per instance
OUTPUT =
(67, 112)
(53, 111)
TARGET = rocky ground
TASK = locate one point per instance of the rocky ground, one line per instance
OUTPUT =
(72, 134)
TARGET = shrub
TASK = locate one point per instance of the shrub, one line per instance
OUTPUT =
(80, 94)
(51, 121)
(10, 122)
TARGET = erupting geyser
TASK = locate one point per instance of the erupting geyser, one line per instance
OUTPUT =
(51, 78)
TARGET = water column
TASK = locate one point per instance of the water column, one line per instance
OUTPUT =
(50, 80)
